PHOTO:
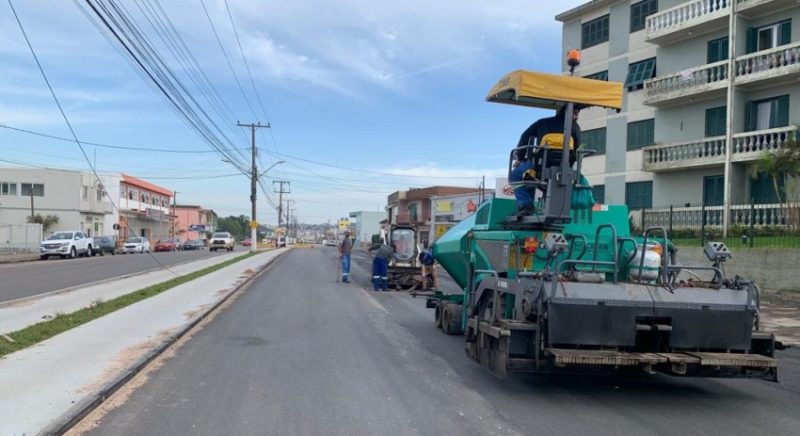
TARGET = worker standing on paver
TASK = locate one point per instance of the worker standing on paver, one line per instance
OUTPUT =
(345, 250)
(380, 265)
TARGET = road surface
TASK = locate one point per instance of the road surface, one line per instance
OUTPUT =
(298, 353)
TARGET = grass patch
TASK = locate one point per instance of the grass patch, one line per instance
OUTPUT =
(64, 321)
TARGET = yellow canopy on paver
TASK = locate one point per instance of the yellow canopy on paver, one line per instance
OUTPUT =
(551, 91)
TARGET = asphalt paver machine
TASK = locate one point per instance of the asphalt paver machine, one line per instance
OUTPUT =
(573, 290)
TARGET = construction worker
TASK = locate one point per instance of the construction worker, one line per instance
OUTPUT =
(380, 265)
(428, 268)
(345, 250)
(546, 133)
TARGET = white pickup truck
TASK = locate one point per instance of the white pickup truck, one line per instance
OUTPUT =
(221, 241)
(66, 244)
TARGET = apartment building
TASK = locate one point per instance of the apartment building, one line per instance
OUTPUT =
(710, 85)
(193, 221)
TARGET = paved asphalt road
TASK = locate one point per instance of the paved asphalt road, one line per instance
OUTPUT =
(298, 353)
(27, 279)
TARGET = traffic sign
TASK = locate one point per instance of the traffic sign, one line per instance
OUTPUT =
(253, 224)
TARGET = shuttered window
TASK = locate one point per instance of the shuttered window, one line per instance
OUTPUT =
(715, 121)
(640, 11)
(767, 114)
(717, 50)
(770, 36)
(713, 190)
(602, 75)
(594, 32)
(599, 194)
(595, 140)
(639, 195)
(639, 72)
(640, 134)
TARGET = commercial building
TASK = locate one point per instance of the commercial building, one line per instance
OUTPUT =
(710, 85)
(414, 207)
(193, 222)
(75, 197)
(117, 204)
(449, 210)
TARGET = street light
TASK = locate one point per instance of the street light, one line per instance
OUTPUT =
(270, 167)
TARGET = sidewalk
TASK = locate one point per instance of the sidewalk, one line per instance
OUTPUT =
(56, 379)
(18, 257)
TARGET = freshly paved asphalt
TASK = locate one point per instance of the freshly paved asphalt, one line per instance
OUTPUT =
(298, 353)
(27, 279)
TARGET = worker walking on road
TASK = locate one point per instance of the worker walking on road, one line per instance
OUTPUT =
(380, 266)
(345, 250)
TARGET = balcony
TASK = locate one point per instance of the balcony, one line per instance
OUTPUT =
(752, 9)
(691, 85)
(705, 152)
(687, 20)
(770, 67)
(683, 155)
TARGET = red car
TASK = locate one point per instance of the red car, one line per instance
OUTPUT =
(247, 242)
(166, 245)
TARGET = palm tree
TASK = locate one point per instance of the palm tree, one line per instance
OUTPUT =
(45, 221)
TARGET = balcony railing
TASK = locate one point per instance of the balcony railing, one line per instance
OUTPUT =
(693, 217)
(692, 82)
(706, 151)
(747, 146)
(755, 66)
(685, 15)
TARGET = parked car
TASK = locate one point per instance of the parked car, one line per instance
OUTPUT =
(221, 241)
(247, 242)
(166, 245)
(193, 244)
(66, 244)
(136, 244)
(104, 244)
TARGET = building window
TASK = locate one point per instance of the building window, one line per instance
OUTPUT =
(762, 189)
(715, 121)
(32, 189)
(639, 72)
(717, 50)
(595, 140)
(8, 188)
(767, 114)
(640, 134)
(639, 195)
(100, 194)
(412, 212)
(602, 75)
(599, 194)
(767, 37)
(640, 11)
(85, 192)
(594, 32)
(713, 190)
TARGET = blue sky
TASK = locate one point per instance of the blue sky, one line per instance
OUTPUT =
(359, 87)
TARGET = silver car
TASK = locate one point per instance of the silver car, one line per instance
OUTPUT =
(136, 244)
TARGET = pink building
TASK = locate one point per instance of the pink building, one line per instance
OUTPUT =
(192, 222)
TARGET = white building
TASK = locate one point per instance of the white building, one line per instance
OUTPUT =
(709, 86)
(364, 224)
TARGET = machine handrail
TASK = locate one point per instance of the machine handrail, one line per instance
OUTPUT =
(573, 237)
(630, 258)
(614, 249)
(663, 257)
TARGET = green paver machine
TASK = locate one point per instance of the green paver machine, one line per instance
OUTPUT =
(564, 289)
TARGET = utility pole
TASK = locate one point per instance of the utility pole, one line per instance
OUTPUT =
(253, 180)
(280, 192)
(174, 218)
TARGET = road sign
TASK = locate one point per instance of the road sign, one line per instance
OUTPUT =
(253, 224)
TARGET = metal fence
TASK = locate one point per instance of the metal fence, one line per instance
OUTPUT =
(20, 238)
(749, 225)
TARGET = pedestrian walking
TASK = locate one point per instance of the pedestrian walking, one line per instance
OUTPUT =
(380, 266)
(345, 250)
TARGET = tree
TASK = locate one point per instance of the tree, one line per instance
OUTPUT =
(46, 221)
(782, 164)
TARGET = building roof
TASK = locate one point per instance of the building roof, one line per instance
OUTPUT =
(583, 9)
(139, 183)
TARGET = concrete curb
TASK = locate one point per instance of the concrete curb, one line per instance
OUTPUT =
(81, 409)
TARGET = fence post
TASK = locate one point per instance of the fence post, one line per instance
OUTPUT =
(670, 219)
(703, 224)
(752, 232)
